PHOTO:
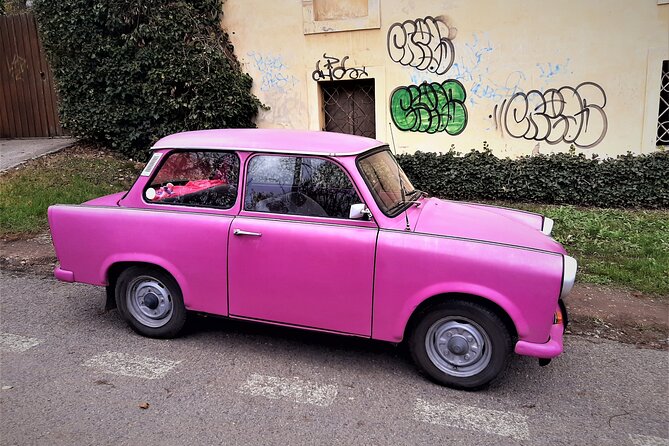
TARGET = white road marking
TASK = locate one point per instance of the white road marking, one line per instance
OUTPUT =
(647, 440)
(294, 389)
(17, 344)
(506, 424)
(131, 365)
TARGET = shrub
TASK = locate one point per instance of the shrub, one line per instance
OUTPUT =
(640, 181)
(131, 72)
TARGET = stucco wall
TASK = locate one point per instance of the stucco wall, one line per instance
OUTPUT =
(607, 53)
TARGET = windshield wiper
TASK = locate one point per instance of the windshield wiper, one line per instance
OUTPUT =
(421, 193)
(403, 203)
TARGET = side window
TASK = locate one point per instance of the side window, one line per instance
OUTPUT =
(298, 186)
(203, 179)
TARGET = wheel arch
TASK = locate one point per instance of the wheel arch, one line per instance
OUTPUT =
(426, 304)
(114, 270)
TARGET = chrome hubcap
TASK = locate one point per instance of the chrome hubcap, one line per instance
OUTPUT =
(149, 301)
(458, 346)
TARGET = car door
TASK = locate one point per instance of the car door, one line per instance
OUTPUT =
(294, 255)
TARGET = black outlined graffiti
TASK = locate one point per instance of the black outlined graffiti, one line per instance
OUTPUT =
(335, 69)
(424, 44)
(430, 108)
(570, 115)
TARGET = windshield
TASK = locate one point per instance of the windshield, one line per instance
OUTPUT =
(386, 179)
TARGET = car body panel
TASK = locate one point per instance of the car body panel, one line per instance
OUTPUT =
(302, 273)
(192, 247)
(454, 219)
(520, 281)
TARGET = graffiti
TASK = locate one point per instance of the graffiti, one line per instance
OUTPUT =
(424, 44)
(335, 69)
(284, 111)
(550, 70)
(17, 67)
(473, 67)
(430, 107)
(273, 72)
(571, 115)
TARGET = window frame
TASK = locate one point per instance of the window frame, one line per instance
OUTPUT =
(375, 196)
(163, 160)
(299, 217)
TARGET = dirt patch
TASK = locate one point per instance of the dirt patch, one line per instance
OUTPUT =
(34, 255)
(594, 310)
(618, 314)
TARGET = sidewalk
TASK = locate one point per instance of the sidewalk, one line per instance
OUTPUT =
(16, 151)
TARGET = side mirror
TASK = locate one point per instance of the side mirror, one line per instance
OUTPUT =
(359, 211)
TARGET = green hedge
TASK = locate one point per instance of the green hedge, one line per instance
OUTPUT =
(640, 181)
(131, 72)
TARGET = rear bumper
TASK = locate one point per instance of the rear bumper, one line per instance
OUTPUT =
(63, 275)
(548, 350)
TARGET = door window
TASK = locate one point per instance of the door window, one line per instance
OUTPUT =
(196, 178)
(298, 186)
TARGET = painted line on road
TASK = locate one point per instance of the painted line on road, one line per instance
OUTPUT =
(131, 365)
(294, 389)
(647, 440)
(506, 424)
(15, 343)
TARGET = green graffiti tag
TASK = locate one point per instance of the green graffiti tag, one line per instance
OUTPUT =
(430, 107)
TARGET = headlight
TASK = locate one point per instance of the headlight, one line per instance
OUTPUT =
(547, 226)
(570, 265)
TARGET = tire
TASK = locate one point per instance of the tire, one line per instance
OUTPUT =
(461, 344)
(150, 301)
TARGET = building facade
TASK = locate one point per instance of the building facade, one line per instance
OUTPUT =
(524, 76)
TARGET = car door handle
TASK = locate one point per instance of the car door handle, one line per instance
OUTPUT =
(240, 232)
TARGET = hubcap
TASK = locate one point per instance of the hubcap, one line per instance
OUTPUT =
(458, 346)
(149, 301)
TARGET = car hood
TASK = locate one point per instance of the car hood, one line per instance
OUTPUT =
(474, 222)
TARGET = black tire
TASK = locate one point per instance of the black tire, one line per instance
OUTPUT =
(166, 296)
(494, 355)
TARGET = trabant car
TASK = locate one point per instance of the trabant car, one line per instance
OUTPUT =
(320, 231)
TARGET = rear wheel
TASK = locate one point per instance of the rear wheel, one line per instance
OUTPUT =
(461, 344)
(151, 301)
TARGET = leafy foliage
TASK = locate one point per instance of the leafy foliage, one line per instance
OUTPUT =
(561, 178)
(130, 72)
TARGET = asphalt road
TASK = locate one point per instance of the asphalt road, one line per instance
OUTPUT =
(73, 374)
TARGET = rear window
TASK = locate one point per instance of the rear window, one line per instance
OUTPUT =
(196, 178)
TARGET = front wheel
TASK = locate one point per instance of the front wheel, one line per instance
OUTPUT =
(461, 344)
(151, 301)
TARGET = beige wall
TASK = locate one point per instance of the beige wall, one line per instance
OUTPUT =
(501, 47)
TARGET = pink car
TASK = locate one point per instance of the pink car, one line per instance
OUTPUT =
(321, 231)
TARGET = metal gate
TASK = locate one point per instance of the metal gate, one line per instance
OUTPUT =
(28, 103)
(348, 107)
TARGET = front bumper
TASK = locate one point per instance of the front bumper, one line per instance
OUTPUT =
(548, 350)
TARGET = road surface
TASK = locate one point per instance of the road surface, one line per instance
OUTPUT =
(74, 374)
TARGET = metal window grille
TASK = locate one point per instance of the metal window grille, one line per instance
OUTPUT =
(348, 107)
(663, 116)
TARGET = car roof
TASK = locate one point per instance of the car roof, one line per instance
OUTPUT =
(270, 140)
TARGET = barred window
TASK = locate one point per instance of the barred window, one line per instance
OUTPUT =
(663, 116)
